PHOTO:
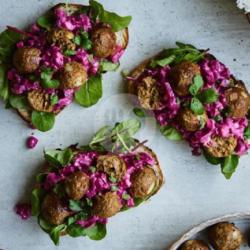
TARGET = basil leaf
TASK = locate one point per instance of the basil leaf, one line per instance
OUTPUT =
(139, 112)
(211, 159)
(36, 201)
(90, 93)
(47, 81)
(162, 62)
(75, 206)
(196, 86)
(171, 133)
(56, 232)
(75, 230)
(96, 232)
(46, 21)
(18, 102)
(43, 121)
(108, 66)
(209, 96)
(229, 165)
(117, 22)
(247, 131)
(4, 83)
(8, 40)
(59, 157)
(196, 106)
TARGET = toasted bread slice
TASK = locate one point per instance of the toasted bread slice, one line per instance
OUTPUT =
(156, 167)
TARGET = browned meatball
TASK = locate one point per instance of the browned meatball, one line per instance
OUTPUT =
(143, 182)
(190, 121)
(40, 100)
(107, 205)
(53, 210)
(238, 101)
(73, 75)
(225, 236)
(103, 41)
(149, 94)
(63, 38)
(112, 165)
(76, 185)
(194, 245)
(182, 75)
(221, 147)
(26, 60)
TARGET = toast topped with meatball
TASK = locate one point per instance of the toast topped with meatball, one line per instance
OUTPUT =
(60, 58)
(193, 96)
(80, 188)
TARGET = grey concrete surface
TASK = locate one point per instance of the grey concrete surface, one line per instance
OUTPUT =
(194, 191)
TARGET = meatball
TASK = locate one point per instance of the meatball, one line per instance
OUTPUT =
(225, 236)
(182, 75)
(63, 38)
(194, 245)
(53, 210)
(221, 147)
(190, 121)
(76, 185)
(27, 60)
(112, 165)
(143, 182)
(40, 100)
(107, 205)
(103, 42)
(73, 75)
(238, 101)
(149, 94)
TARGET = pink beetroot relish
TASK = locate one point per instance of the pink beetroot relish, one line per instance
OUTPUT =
(23, 210)
(215, 75)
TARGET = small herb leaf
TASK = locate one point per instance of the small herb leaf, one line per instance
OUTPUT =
(229, 165)
(171, 133)
(196, 106)
(197, 85)
(43, 121)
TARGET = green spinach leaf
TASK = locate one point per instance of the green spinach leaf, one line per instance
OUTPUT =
(108, 66)
(56, 232)
(197, 85)
(4, 83)
(229, 165)
(171, 133)
(117, 22)
(46, 21)
(18, 102)
(208, 96)
(59, 157)
(36, 201)
(75, 206)
(43, 121)
(90, 93)
(96, 232)
(75, 230)
(139, 112)
(196, 106)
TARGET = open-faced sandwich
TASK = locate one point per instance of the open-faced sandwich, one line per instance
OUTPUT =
(194, 96)
(81, 187)
(59, 58)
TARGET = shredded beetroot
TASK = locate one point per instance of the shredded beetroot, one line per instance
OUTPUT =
(23, 210)
(92, 221)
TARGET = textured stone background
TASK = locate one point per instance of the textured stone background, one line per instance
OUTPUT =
(194, 191)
